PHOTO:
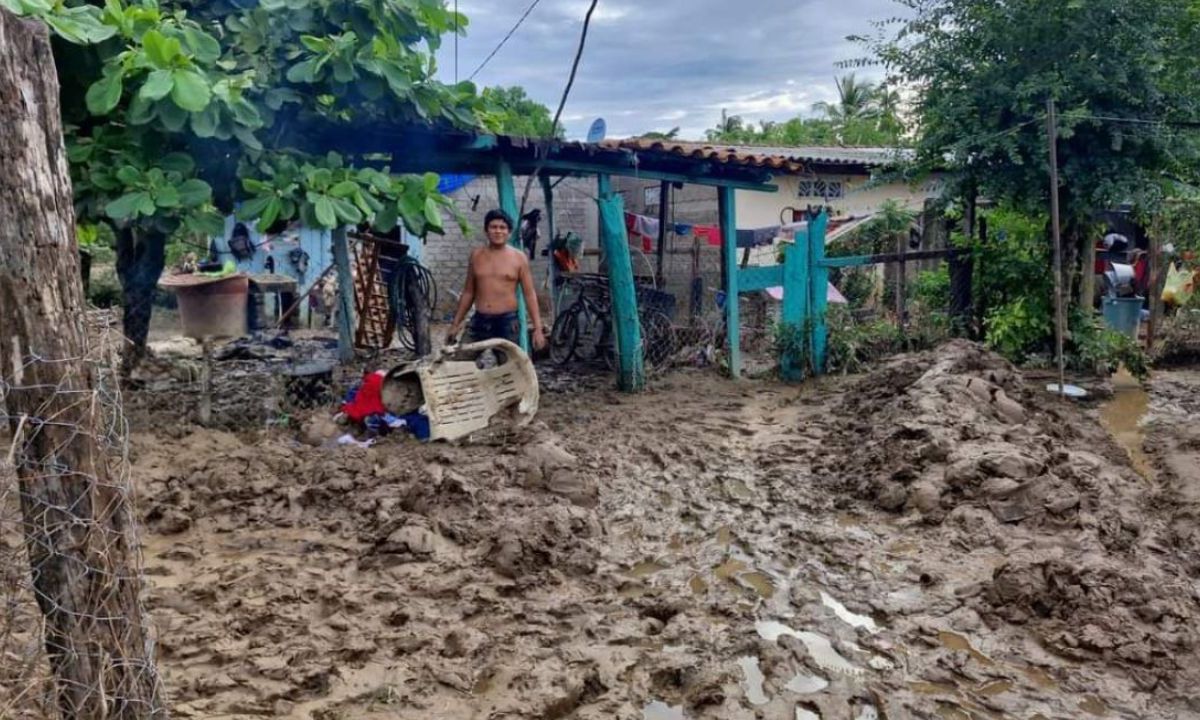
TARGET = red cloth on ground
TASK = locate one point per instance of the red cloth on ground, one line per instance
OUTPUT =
(369, 399)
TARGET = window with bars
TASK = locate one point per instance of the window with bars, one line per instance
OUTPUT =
(824, 189)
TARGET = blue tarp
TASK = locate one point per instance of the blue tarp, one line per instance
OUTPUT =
(450, 183)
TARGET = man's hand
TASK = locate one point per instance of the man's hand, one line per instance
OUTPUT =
(452, 336)
(539, 339)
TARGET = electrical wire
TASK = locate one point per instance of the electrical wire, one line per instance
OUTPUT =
(455, 42)
(514, 29)
(542, 150)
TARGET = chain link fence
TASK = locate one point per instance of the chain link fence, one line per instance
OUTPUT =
(70, 580)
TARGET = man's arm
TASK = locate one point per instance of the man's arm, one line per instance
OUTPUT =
(466, 299)
(531, 302)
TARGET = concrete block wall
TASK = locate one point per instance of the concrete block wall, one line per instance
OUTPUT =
(446, 255)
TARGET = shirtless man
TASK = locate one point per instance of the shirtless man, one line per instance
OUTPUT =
(493, 274)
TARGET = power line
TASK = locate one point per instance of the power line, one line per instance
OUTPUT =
(562, 103)
(506, 37)
(455, 42)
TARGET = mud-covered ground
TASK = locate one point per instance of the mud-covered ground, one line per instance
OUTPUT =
(937, 539)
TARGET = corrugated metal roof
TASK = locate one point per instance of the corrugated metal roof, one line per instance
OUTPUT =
(787, 159)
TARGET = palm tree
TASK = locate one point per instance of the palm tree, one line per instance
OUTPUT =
(730, 129)
(672, 134)
(856, 101)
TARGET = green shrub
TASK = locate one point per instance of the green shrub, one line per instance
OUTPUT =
(1019, 328)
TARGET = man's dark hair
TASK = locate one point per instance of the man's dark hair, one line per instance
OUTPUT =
(497, 214)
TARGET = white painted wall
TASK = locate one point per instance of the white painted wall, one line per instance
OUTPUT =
(758, 209)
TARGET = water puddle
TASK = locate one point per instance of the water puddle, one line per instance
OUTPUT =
(958, 643)
(737, 572)
(818, 646)
(1040, 678)
(996, 688)
(662, 711)
(867, 713)
(1122, 417)
(1093, 706)
(806, 684)
(646, 569)
(930, 688)
(754, 680)
(843, 614)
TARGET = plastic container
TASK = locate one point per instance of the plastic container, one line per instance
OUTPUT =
(1123, 314)
(210, 307)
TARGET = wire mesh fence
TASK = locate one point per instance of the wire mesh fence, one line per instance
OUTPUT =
(73, 637)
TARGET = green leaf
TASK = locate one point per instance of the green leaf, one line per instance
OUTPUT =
(191, 91)
(204, 124)
(270, 214)
(344, 189)
(386, 218)
(158, 84)
(247, 137)
(141, 111)
(431, 182)
(177, 162)
(398, 80)
(206, 222)
(253, 209)
(194, 192)
(256, 187)
(276, 97)
(173, 117)
(128, 205)
(346, 211)
(326, 215)
(204, 46)
(160, 50)
(80, 151)
(314, 44)
(105, 93)
(433, 214)
(129, 175)
(80, 25)
(303, 72)
(166, 196)
(246, 114)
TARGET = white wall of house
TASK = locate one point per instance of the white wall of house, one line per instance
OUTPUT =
(852, 195)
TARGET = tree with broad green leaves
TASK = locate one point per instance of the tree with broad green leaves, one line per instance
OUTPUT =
(180, 112)
(513, 112)
(1119, 71)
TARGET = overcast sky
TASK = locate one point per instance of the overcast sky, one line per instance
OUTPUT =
(656, 64)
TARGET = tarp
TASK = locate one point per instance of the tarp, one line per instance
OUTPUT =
(449, 183)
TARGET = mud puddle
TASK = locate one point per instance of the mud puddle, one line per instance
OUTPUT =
(1122, 416)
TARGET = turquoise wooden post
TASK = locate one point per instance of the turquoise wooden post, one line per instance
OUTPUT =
(508, 203)
(341, 258)
(614, 240)
(819, 282)
(548, 199)
(727, 209)
(796, 278)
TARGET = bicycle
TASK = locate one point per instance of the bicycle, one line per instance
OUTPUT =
(584, 330)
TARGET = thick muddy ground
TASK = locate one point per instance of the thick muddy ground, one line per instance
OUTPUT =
(937, 539)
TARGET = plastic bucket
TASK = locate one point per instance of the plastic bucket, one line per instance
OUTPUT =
(214, 309)
(1123, 314)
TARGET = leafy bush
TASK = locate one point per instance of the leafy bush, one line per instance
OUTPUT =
(932, 288)
(854, 344)
(1020, 328)
(1093, 348)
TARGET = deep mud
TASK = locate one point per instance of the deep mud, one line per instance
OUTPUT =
(937, 539)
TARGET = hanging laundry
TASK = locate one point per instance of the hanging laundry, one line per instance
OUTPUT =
(757, 237)
(643, 228)
(709, 233)
(682, 229)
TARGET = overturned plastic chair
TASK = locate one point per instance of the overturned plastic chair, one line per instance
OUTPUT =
(458, 394)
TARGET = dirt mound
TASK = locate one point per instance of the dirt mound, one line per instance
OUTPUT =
(953, 438)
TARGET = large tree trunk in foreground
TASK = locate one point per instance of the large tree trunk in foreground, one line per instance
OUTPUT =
(140, 260)
(75, 504)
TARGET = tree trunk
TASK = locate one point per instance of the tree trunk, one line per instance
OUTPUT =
(141, 257)
(75, 503)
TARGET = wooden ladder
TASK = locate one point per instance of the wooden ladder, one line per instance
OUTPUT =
(376, 326)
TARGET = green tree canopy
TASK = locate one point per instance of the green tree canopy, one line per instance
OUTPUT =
(179, 111)
(512, 112)
(982, 72)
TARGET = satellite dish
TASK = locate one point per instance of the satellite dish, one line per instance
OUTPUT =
(597, 131)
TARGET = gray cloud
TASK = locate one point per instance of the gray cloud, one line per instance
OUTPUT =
(654, 65)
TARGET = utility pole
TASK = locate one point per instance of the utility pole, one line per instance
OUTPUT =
(1059, 330)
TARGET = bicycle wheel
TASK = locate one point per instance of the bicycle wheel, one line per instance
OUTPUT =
(417, 306)
(594, 335)
(565, 335)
